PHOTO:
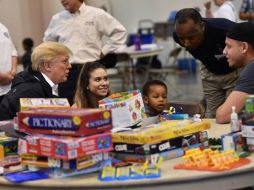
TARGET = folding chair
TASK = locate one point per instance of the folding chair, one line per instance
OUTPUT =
(121, 70)
(169, 68)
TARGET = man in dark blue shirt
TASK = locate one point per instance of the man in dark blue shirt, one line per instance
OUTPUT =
(204, 39)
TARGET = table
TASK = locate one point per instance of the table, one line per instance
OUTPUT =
(171, 179)
(147, 50)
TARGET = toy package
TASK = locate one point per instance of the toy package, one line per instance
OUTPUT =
(65, 147)
(249, 103)
(147, 149)
(208, 160)
(23, 176)
(233, 141)
(166, 155)
(127, 108)
(8, 146)
(72, 122)
(248, 131)
(77, 164)
(57, 172)
(156, 133)
(133, 172)
(173, 114)
(51, 103)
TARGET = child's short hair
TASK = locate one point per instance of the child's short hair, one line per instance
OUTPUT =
(148, 84)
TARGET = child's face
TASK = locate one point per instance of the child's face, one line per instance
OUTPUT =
(157, 98)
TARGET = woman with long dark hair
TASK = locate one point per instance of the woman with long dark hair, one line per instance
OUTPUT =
(92, 86)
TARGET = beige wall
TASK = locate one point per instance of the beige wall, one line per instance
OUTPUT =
(49, 7)
(23, 18)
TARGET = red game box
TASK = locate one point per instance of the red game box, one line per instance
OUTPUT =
(65, 147)
(71, 122)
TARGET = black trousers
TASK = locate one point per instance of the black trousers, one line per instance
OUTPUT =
(67, 89)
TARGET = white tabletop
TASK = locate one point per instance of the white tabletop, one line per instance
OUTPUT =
(170, 179)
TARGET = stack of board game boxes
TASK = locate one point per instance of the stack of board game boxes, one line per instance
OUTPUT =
(167, 139)
(65, 142)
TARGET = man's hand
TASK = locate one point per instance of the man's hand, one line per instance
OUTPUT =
(6, 78)
(207, 5)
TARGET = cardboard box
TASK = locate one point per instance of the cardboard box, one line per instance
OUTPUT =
(78, 164)
(233, 141)
(156, 133)
(249, 103)
(8, 146)
(127, 108)
(72, 122)
(167, 155)
(51, 103)
(61, 172)
(247, 131)
(65, 147)
(147, 149)
(247, 118)
(250, 141)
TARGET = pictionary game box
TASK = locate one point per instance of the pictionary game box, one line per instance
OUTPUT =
(71, 122)
(65, 147)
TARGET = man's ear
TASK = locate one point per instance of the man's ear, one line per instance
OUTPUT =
(202, 24)
(47, 65)
(246, 47)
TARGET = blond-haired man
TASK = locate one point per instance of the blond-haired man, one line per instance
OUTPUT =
(50, 66)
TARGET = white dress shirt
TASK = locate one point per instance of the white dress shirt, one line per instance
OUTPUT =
(84, 31)
(226, 10)
(7, 50)
(53, 86)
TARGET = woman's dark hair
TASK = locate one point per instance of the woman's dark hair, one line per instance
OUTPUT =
(148, 84)
(183, 15)
(83, 97)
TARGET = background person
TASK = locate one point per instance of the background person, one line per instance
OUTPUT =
(204, 39)
(28, 45)
(247, 10)
(226, 9)
(8, 61)
(92, 86)
(239, 51)
(50, 66)
(83, 29)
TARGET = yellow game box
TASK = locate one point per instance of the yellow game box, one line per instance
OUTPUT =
(159, 132)
(31, 103)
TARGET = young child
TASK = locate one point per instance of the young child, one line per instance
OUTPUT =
(155, 97)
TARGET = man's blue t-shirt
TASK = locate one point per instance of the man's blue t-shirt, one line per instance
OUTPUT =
(245, 83)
